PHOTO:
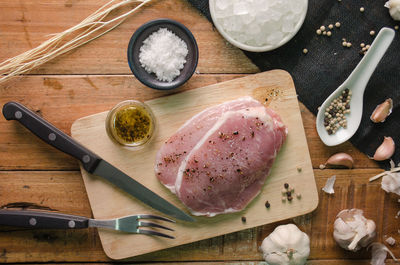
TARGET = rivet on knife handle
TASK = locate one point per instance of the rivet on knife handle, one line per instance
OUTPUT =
(50, 134)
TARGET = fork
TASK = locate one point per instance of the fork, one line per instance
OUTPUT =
(50, 220)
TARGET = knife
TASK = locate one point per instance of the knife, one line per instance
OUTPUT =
(91, 162)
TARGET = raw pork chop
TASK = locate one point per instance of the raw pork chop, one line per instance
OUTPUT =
(218, 161)
(175, 150)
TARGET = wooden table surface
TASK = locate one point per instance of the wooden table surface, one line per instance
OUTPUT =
(96, 77)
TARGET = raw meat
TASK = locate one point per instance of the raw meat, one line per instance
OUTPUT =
(218, 161)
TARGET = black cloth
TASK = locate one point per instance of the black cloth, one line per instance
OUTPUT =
(327, 63)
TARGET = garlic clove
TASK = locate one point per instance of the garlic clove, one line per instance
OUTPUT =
(385, 150)
(382, 111)
(340, 159)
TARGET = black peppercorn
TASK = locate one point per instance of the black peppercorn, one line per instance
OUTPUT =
(243, 219)
(267, 204)
(290, 198)
(286, 185)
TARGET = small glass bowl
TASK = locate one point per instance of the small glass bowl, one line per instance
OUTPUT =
(114, 118)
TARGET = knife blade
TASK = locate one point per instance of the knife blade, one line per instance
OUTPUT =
(91, 162)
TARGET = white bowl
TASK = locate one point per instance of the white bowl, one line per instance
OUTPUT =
(256, 48)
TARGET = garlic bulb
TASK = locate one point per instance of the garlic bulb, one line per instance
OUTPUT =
(352, 230)
(286, 245)
(394, 8)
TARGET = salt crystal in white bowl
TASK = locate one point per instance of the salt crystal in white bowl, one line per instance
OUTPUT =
(164, 54)
(258, 25)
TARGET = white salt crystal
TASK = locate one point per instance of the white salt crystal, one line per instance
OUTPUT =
(259, 6)
(222, 4)
(240, 8)
(164, 54)
(275, 37)
(246, 20)
(263, 17)
(287, 24)
(296, 6)
(259, 22)
(274, 15)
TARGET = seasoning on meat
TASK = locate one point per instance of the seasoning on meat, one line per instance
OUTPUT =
(235, 169)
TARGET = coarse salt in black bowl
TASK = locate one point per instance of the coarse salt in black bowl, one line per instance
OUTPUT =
(150, 79)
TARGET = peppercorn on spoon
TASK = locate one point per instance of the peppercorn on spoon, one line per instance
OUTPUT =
(356, 83)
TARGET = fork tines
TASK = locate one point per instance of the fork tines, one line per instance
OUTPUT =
(151, 224)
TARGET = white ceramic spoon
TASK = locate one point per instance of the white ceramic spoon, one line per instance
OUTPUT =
(356, 82)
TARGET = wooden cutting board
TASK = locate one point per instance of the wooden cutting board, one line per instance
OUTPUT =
(293, 165)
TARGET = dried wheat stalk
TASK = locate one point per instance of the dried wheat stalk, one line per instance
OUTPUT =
(92, 27)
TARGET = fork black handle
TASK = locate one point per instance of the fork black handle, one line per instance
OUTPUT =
(40, 219)
(50, 134)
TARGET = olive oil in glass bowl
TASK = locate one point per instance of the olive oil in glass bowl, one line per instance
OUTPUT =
(130, 123)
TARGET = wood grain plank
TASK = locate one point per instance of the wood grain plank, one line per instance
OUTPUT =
(64, 191)
(59, 191)
(25, 24)
(63, 99)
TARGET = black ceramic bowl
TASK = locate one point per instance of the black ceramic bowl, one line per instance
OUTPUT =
(137, 41)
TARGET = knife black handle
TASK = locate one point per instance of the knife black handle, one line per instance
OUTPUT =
(50, 134)
(38, 219)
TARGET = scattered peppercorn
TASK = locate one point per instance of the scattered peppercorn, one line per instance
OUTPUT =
(286, 185)
(336, 111)
(362, 9)
(396, 27)
(288, 193)
(243, 219)
(305, 51)
(330, 26)
(329, 34)
(235, 133)
(299, 169)
(319, 32)
(372, 33)
(337, 24)
(290, 198)
(267, 204)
